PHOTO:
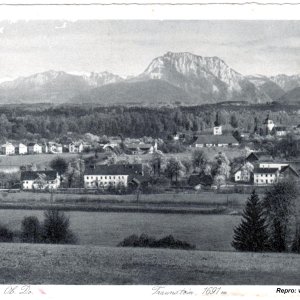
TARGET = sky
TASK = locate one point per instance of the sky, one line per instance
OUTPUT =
(127, 47)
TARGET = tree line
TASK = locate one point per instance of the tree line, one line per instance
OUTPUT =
(19, 122)
(270, 224)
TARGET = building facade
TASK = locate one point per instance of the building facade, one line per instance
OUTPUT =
(106, 176)
(34, 148)
(40, 180)
(8, 149)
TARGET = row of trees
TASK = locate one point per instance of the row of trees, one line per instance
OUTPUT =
(51, 122)
(270, 224)
(55, 229)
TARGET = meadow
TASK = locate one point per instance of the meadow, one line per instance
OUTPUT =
(60, 264)
(37, 159)
(207, 232)
(194, 198)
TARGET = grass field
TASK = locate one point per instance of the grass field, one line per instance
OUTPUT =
(207, 232)
(59, 264)
(202, 198)
(38, 159)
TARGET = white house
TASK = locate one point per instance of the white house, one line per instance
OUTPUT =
(34, 148)
(106, 176)
(218, 130)
(280, 131)
(244, 173)
(21, 149)
(40, 180)
(265, 176)
(75, 147)
(8, 149)
(55, 148)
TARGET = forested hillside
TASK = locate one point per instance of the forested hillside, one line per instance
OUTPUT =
(46, 121)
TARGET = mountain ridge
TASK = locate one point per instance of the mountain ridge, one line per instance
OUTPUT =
(196, 79)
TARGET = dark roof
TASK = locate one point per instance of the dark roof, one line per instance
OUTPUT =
(280, 128)
(202, 179)
(129, 169)
(138, 146)
(267, 119)
(216, 139)
(262, 156)
(33, 175)
(265, 170)
(285, 168)
(32, 144)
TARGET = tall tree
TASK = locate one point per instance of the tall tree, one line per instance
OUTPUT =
(59, 165)
(199, 159)
(251, 234)
(279, 203)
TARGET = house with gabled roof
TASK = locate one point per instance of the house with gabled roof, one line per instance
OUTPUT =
(75, 147)
(255, 157)
(105, 176)
(215, 141)
(288, 173)
(20, 148)
(34, 148)
(40, 180)
(8, 149)
(265, 176)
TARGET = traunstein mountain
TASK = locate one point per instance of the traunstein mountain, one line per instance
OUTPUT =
(174, 78)
(209, 79)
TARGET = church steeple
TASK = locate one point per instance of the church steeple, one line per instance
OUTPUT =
(217, 121)
(218, 126)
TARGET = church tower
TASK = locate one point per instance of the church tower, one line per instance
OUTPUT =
(268, 125)
(218, 126)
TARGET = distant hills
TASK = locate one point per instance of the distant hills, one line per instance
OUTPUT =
(174, 78)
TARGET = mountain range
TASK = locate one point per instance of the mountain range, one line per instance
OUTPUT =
(174, 78)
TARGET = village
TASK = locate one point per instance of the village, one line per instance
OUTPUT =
(213, 160)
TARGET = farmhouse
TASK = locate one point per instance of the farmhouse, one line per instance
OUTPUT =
(34, 148)
(243, 174)
(288, 173)
(75, 147)
(8, 149)
(106, 176)
(20, 148)
(259, 156)
(54, 148)
(215, 141)
(40, 180)
(265, 176)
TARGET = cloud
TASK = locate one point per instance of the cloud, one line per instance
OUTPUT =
(1, 30)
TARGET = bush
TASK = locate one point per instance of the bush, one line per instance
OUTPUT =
(149, 242)
(5, 234)
(56, 228)
(31, 231)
